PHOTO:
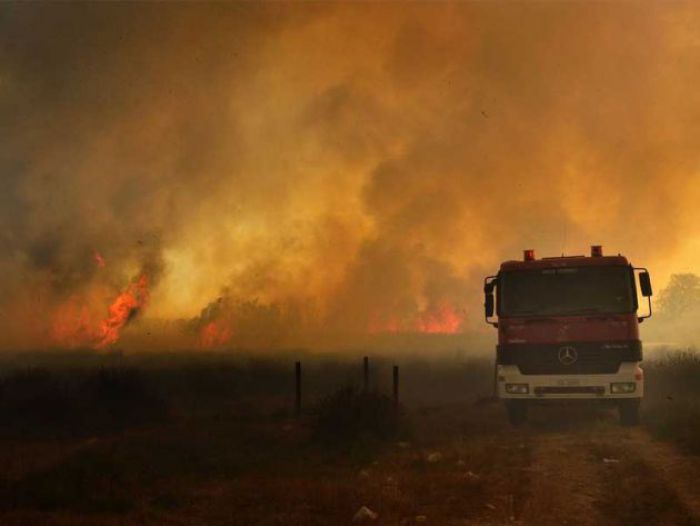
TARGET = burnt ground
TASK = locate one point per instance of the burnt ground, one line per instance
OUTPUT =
(225, 457)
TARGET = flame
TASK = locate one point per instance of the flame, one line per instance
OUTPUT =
(123, 309)
(379, 324)
(99, 260)
(72, 326)
(442, 318)
(214, 335)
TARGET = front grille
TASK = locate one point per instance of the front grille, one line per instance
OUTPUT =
(540, 391)
(591, 357)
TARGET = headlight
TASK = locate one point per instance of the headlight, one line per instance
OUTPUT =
(623, 387)
(517, 388)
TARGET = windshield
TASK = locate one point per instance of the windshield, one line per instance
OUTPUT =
(566, 291)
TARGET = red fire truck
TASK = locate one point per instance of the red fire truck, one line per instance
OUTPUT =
(568, 329)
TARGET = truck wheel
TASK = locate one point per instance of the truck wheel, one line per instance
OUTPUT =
(629, 412)
(517, 412)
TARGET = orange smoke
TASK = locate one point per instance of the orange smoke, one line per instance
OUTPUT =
(214, 335)
(125, 307)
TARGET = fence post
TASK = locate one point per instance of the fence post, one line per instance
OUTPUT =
(297, 401)
(365, 366)
(396, 386)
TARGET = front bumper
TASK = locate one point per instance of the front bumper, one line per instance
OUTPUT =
(571, 386)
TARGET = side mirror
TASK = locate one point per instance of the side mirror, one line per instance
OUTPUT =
(645, 284)
(645, 289)
(489, 300)
(488, 304)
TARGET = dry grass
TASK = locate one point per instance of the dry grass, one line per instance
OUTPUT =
(633, 493)
(207, 443)
(671, 408)
(201, 443)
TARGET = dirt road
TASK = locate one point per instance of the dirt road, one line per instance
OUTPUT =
(460, 464)
(591, 471)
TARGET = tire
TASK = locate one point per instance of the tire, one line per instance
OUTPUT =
(517, 412)
(629, 412)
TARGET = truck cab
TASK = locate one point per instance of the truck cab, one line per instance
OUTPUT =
(568, 329)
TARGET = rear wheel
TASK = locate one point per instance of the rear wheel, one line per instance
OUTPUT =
(629, 412)
(517, 412)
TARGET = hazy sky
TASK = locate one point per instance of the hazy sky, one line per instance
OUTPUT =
(357, 164)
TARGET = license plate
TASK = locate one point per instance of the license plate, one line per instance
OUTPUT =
(568, 382)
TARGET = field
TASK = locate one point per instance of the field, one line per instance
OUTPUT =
(211, 439)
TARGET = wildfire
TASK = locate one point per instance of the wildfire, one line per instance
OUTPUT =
(214, 335)
(99, 260)
(72, 325)
(441, 319)
(123, 309)
(437, 319)
(379, 324)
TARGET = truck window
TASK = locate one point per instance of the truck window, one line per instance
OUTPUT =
(566, 291)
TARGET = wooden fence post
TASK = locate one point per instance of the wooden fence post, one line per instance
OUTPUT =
(365, 366)
(396, 386)
(297, 401)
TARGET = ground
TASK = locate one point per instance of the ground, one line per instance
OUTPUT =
(247, 460)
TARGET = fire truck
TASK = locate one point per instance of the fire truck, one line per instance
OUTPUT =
(568, 329)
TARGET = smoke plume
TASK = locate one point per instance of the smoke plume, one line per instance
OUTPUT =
(286, 170)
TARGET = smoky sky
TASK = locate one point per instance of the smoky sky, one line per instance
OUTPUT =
(355, 161)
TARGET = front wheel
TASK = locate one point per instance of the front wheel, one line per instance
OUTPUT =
(517, 412)
(629, 412)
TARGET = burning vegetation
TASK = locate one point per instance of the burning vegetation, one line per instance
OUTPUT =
(75, 325)
(442, 318)
(225, 322)
(122, 310)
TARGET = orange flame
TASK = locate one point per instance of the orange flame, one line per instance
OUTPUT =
(123, 309)
(443, 319)
(437, 319)
(72, 326)
(379, 324)
(213, 335)
(99, 260)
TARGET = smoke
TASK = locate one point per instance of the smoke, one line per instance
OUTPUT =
(337, 168)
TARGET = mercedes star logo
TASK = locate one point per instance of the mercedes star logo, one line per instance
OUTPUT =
(567, 355)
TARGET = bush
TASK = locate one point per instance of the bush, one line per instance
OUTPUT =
(349, 415)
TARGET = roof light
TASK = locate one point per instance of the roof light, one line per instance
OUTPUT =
(596, 251)
(529, 255)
